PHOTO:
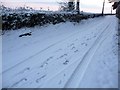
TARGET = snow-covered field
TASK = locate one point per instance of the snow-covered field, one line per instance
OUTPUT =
(64, 55)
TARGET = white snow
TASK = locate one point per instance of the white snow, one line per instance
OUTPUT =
(64, 55)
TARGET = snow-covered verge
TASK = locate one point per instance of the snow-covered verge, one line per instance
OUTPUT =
(62, 55)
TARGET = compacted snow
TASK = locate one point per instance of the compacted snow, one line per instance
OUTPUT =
(66, 55)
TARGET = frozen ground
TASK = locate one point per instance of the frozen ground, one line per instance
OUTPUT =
(65, 55)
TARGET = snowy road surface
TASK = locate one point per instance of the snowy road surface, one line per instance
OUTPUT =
(65, 55)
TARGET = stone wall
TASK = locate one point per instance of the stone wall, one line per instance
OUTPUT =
(16, 21)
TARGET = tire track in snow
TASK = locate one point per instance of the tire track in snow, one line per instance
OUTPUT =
(79, 71)
(109, 33)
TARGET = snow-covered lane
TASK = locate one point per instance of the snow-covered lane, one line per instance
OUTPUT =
(42, 38)
(61, 59)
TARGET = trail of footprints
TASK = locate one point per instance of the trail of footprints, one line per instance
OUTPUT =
(71, 47)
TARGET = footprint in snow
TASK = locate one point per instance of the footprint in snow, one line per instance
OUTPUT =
(76, 51)
(24, 70)
(45, 62)
(84, 44)
(71, 45)
(49, 58)
(66, 62)
(43, 65)
(39, 79)
(20, 81)
(72, 48)
(63, 55)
